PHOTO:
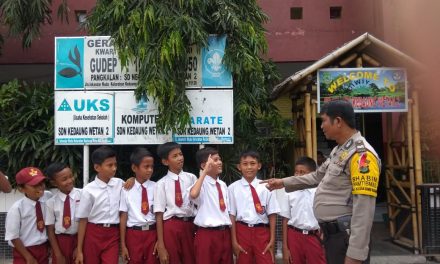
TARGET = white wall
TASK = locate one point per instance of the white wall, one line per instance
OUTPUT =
(8, 199)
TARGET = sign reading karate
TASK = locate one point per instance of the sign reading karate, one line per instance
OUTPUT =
(92, 63)
(212, 118)
(98, 117)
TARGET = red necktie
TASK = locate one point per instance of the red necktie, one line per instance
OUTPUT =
(39, 213)
(220, 197)
(257, 203)
(66, 213)
(178, 193)
(144, 205)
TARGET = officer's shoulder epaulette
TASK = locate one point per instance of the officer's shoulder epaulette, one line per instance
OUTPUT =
(360, 146)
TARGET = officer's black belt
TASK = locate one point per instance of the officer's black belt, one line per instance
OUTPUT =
(330, 228)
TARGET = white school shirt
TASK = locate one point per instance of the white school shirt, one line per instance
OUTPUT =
(131, 203)
(55, 211)
(21, 221)
(208, 210)
(242, 204)
(164, 195)
(298, 208)
(99, 201)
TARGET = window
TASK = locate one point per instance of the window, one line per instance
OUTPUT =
(81, 16)
(335, 12)
(296, 13)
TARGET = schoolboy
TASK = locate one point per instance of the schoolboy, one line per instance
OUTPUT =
(25, 230)
(174, 212)
(301, 238)
(62, 228)
(137, 219)
(253, 210)
(98, 212)
(213, 237)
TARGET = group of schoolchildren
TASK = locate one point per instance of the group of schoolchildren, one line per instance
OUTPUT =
(179, 219)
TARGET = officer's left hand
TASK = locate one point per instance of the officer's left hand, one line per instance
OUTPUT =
(273, 184)
(349, 260)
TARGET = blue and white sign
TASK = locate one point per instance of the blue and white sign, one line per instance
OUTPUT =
(135, 120)
(92, 63)
(212, 118)
(99, 117)
(84, 118)
(214, 72)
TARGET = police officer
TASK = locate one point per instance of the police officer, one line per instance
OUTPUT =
(346, 195)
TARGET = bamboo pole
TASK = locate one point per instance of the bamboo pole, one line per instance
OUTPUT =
(409, 141)
(308, 124)
(359, 62)
(347, 60)
(314, 106)
(370, 60)
(295, 127)
(387, 179)
(417, 154)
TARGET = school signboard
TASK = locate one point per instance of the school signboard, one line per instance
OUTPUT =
(92, 63)
(116, 117)
(368, 89)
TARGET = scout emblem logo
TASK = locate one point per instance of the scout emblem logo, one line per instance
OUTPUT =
(363, 163)
(33, 172)
(178, 196)
(222, 202)
(67, 221)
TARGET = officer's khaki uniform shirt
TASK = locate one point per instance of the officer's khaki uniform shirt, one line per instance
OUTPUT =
(348, 182)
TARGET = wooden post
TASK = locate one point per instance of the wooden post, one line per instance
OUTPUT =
(409, 141)
(417, 154)
(390, 170)
(314, 105)
(308, 124)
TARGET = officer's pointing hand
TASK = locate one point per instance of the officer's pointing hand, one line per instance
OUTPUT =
(273, 183)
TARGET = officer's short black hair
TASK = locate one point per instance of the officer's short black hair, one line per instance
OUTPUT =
(138, 155)
(202, 155)
(102, 153)
(306, 161)
(250, 153)
(339, 108)
(164, 150)
(54, 168)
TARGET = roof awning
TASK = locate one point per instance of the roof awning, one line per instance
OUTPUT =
(366, 44)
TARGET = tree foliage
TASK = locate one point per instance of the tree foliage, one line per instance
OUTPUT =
(24, 18)
(158, 33)
(27, 130)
